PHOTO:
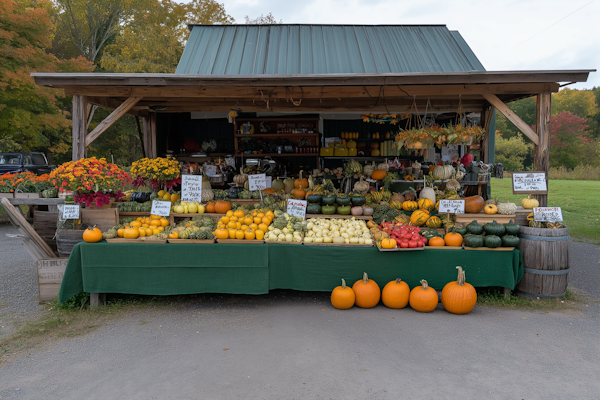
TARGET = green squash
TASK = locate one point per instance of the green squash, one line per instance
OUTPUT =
(313, 208)
(358, 199)
(328, 209)
(277, 185)
(344, 210)
(494, 228)
(492, 241)
(510, 241)
(462, 230)
(430, 233)
(473, 240)
(475, 228)
(314, 198)
(343, 200)
(512, 229)
(328, 199)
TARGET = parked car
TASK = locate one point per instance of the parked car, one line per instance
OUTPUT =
(37, 163)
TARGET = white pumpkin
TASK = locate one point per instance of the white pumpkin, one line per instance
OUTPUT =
(384, 166)
(368, 169)
(427, 193)
(443, 171)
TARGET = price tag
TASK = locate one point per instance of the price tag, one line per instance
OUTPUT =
(191, 188)
(70, 211)
(257, 182)
(269, 181)
(296, 208)
(211, 169)
(452, 206)
(162, 208)
(529, 182)
(547, 214)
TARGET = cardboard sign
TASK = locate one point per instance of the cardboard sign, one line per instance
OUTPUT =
(70, 211)
(547, 214)
(297, 208)
(257, 182)
(452, 206)
(161, 207)
(191, 188)
(529, 183)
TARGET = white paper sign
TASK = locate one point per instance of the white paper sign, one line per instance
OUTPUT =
(191, 188)
(211, 169)
(70, 211)
(162, 208)
(296, 208)
(526, 182)
(452, 206)
(257, 182)
(269, 181)
(547, 214)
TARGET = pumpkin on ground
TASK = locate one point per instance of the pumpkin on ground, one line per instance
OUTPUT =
(395, 294)
(474, 204)
(92, 235)
(367, 292)
(459, 297)
(423, 298)
(343, 297)
(529, 203)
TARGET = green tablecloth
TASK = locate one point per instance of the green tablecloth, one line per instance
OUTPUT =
(158, 269)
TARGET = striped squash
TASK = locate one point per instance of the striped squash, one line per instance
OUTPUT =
(419, 217)
(410, 206)
(426, 204)
(396, 204)
(434, 222)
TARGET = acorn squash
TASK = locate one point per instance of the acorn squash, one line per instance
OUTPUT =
(473, 240)
(358, 199)
(493, 241)
(475, 228)
(512, 228)
(510, 241)
(328, 199)
(314, 198)
(342, 200)
(344, 210)
(313, 208)
(494, 228)
(328, 209)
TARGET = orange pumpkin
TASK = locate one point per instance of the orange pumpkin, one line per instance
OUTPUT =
(395, 294)
(378, 174)
(459, 297)
(210, 207)
(419, 217)
(92, 235)
(436, 241)
(174, 235)
(474, 204)
(343, 297)
(367, 292)
(301, 182)
(300, 193)
(249, 234)
(221, 233)
(423, 298)
(453, 239)
(131, 233)
(490, 209)
(239, 234)
(388, 244)
(260, 234)
(426, 204)
(221, 207)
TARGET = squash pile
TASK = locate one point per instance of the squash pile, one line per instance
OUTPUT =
(337, 231)
(139, 227)
(243, 226)
(286, 228)
(492, 235)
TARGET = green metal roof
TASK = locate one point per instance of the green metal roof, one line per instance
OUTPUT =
(324, 49)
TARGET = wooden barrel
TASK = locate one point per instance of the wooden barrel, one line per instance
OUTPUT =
(66, 240)
(546, 260)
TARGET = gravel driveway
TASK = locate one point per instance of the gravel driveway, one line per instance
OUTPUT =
(294, 345)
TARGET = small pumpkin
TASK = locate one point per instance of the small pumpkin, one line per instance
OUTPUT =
(367, 292)
(423, 298)
(436, 241)
(490, 209)
(410, 205)
(388, 243)
(368, 211)
(301, 182)
(378, 174)
(343, 297)
(221, 207)
(92, 235)
(395, 294)
(356, 210)
(453, 239)
(459, 297)
(419, 217)
(434, 222)
(300, 193)
(426, 204)
(210, 207)
(529, 203)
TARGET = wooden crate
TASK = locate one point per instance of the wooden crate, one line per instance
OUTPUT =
(521, 216)
(7, 195)
(44, 223)
(483, 218)
(103, 218)
(27, 196)
(50, 276)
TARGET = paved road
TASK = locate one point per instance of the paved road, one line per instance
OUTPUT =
(294, 345)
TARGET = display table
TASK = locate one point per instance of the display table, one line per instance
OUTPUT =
(168, 269)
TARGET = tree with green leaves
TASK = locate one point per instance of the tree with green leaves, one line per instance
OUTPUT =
(512, 152)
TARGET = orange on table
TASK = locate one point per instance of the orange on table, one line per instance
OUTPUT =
(239, 234)
(232, 233)
(260, 234)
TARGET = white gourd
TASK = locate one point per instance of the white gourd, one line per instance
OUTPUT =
(368, 169)
(384, 166)
(427, 193)
(443, 171)
(507, 208)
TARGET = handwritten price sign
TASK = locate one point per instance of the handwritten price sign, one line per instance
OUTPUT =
(529, 182)
(191, 188)
(547, 214)
(70, 211)
(162, 208)
(257, 182)
(296, 208)
(452, 206)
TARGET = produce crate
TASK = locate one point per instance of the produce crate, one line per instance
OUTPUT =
(483, 218)
(44, 223)
(521, 216)
(103, 218)
(27, 195)
(50, 276)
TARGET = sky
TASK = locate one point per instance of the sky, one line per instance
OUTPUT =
(505, 35)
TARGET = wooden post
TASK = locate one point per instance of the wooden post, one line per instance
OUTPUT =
(150, 135)
(79, 127)
(542, 150)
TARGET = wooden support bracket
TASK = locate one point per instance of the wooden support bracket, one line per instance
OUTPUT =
(512, 117)
(111, 119)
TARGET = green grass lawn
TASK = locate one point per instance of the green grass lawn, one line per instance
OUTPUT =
(579, 201)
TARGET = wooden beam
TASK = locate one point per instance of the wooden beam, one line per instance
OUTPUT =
(112, 103)
(108, 121)
(542, 149)
(512, 117)
(140, 134)
(79, 127)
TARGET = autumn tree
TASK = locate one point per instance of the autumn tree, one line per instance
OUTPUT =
(579, 102)
(30, 115)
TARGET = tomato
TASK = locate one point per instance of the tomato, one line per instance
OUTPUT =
(407, 236)
(424, 241)
(420, 243)
(404, 245)
(412, 244)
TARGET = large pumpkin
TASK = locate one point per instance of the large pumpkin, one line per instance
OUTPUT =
(395, 294)
(459, 297)
(423, 298)
(378, 174)
(221, 207)
(443, 171)
(419, 217)
(343, 297)
(474, 204)
(426, 204)
(367, 292)
(92, 235)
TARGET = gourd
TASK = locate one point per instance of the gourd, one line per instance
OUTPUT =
(428, 193)
(474, 204)
(234, 191)
(426, 204)
(131, 233)
(459, 297)
(301, 182)
(240, 179)
(339, 240)
(443, 171)
(343, 210)
(368, 211)
(343, 297)
(367, 292)
(314, 197)
(436, 241)
(278, 185)
(358, 199)
(383, 166)
(328, 209)
(328, 199)
(378, 174)
(410, 205)
(510, 241)
(490, 209)
(395, 294)
(288, 185)
(396, 204)
(453, 184)
(434, 222)
(361, 186)
(356, 210)
(388, 243)
(300, 193)
(492, 241)
(419, 217)
(461, 229)
(92, 235)
(529, 203)
(368, 170)
(507, 208)
(474, 241)
(475, 228)
(398, 197)
(494, 228)
(221, 207)
(512, 228)
(423, 298)
(342, 200)
(453, 239)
